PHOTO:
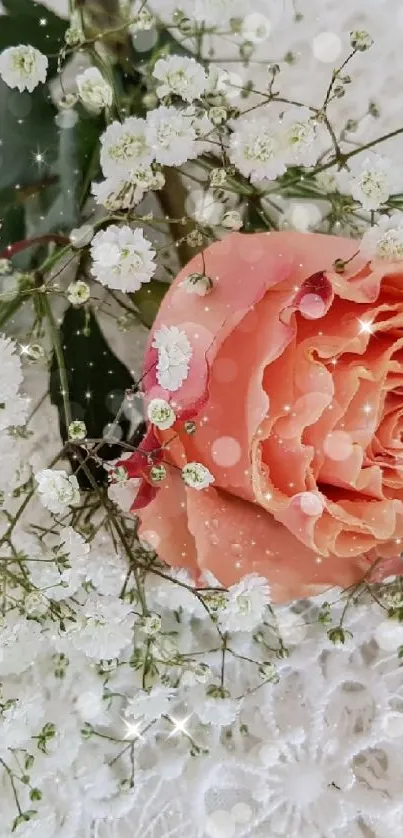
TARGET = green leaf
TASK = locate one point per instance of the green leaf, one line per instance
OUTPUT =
(23, 24)
(97, 382)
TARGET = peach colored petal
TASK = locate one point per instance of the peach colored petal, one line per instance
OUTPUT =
(242, 271)
(164, 524)
(234, 537)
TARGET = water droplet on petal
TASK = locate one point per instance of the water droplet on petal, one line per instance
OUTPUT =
(312, 306)
(311, 503)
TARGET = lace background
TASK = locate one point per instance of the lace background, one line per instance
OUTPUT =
(317, 755)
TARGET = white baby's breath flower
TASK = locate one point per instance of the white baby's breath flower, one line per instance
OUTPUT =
(371, 181)
(118, 192)
(150, 705)
(171, 136)
(179, 75)
(247, 601)
(299, 132)
(174, 355)
(256, 28)
(161, 414)
(125, 191)
(57, 490)
(144, 21)
(232, 220)
(218, 711)
(78, 292)
(361, 40)
(77, 430)
(197, 283)
(197, 476)
(385, 239)
(122, 258)
(23, 67)
(105, 627)
(256, 150)
(93, 90)
(124, 146)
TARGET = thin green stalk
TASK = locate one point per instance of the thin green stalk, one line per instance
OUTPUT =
(57, 346)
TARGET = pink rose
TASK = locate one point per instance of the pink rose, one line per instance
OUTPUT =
(295, 383)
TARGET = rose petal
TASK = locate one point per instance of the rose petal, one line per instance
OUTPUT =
(234, 537)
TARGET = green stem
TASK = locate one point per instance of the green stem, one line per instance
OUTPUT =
(57, 346)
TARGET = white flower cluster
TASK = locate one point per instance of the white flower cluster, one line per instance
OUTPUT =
(23, 67)
(174, 355)
(262, 150)
(122, 258)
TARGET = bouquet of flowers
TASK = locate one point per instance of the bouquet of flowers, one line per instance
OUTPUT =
(201, 422)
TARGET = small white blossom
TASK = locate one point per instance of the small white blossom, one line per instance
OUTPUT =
(150, 705)
(371, 181)
(232, 220)
(35, 604)
(256, 28)
(125, 191)
(23, 67)
(161, 414)
(197, 283)
(151, 625)
(124, 146)
(197, 476)
(256, 150)
(180, 75)
(144, 21)
(105, 627)
(385, 239)
(171, 136)
(246, 604)
(77, 430)
(174, 355)
(216, 711)
(299, 137)
(78, 292)
(118, 193)
(122, 258)
(81, 236)
(93, 90)
(57, 490)
(361, 40)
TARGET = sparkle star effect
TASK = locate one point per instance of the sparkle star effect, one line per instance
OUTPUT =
(39, 158)
(133, 730)
(366, 327)
(178, 726)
